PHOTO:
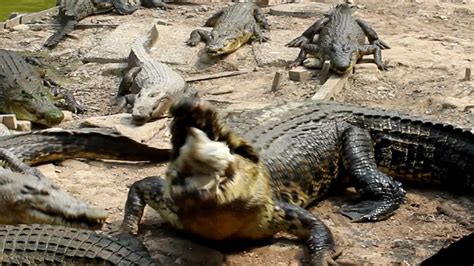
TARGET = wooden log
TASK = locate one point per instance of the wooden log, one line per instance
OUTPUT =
(216, 75)
(276, 81)
(324, 72)
(467, 74)
(331, 87)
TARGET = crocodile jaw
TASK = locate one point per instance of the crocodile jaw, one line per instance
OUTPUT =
(48, 115)
(148, 106)
(28, 199)
(227, 45)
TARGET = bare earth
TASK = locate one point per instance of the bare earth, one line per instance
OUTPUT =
(432, 44)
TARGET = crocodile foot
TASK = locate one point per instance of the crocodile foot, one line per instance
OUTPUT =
(298, 42)
(370, 210)
(192, 43)
(327, 258)
(381, 44)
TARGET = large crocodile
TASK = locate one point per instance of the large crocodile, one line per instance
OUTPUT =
(149, 85)
(22, 92)
(341, 40)
(46, 244)
(254, 174)
(233, 26)
(71, 11)
(28, 197)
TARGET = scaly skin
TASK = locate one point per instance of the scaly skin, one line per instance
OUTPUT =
(233, 26)
(288, 157)
(22, 92)
(148, 85)
(72, 11)
(46, 244)
(341, 40)
(28, 197)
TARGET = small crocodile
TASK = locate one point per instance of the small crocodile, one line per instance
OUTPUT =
(148, 85)
(27, 195)
(22, 92)
(47, 244)
(341, 40)
(71, 11)
(233, 26)
(255, 173)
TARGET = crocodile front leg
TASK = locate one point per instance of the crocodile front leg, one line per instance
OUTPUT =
(376, 51)
(11, 161)
(305, 49)
(380, 193)
(119, 5)
(150, 190)
(258, 35)
(303, 224)
(211, 22)
(63, 98)
(198, 35)
(309, 34)
(261, 19)
(372, 34)
(125, 90)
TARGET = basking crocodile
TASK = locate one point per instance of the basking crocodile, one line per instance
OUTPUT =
(71, 11)
(341, 40)
(148, 85)
(46, 244)
(255, 174)
(233, 26)
(28, 197)
(23, 93)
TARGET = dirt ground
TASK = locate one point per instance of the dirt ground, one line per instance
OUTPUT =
(431, 45)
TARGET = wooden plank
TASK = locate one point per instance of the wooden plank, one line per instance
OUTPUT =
(276, 81)
(2, 25)
(467, 74)
(324, 72)
(216, 76)
(331, 87)
(77, 26)
(30, 17)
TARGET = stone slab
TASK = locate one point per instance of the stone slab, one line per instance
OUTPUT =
(301, 10)
(115, 47)
(123, 124)
(274, 52)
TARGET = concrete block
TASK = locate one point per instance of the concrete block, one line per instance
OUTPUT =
(299, 74)
(67, 116)
(9, 120)
(23, 125)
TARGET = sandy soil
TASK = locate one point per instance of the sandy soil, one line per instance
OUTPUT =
(432, 44)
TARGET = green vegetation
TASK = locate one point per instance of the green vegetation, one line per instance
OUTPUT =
(23, 6)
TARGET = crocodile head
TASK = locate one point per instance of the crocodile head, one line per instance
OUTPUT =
(33, 104)
(211, 165)
(150, 104)
(342, 56)
(29, 199)
(226, 43)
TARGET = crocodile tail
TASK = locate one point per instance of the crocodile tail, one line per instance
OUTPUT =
(424, 153)
(89, 143)
(67, 26)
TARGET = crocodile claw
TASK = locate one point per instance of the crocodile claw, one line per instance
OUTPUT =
(381, 44)
(370, 210)
(192, 43)
(297, 42)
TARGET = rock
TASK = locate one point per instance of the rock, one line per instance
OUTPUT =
(23, 125)
(75, 164)
(49, 170)
(4, 130)
(299, 74)
(67, 116)
(21, 28)
(123, 123)
(9, 120)
(302, 10)
(113, 69)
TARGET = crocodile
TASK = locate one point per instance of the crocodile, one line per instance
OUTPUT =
(46, 244)
(23, 92)
(149, 85)
(29, 197)
(252, 174)
(71, 11)
(341, 40)
(233, 26)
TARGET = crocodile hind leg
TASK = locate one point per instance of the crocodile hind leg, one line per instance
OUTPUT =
(67, 26)
(381, 195)
(376, 51)
(148, 190)
(303, 224)
(198, 35)
(119, 5)
(372, 35)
